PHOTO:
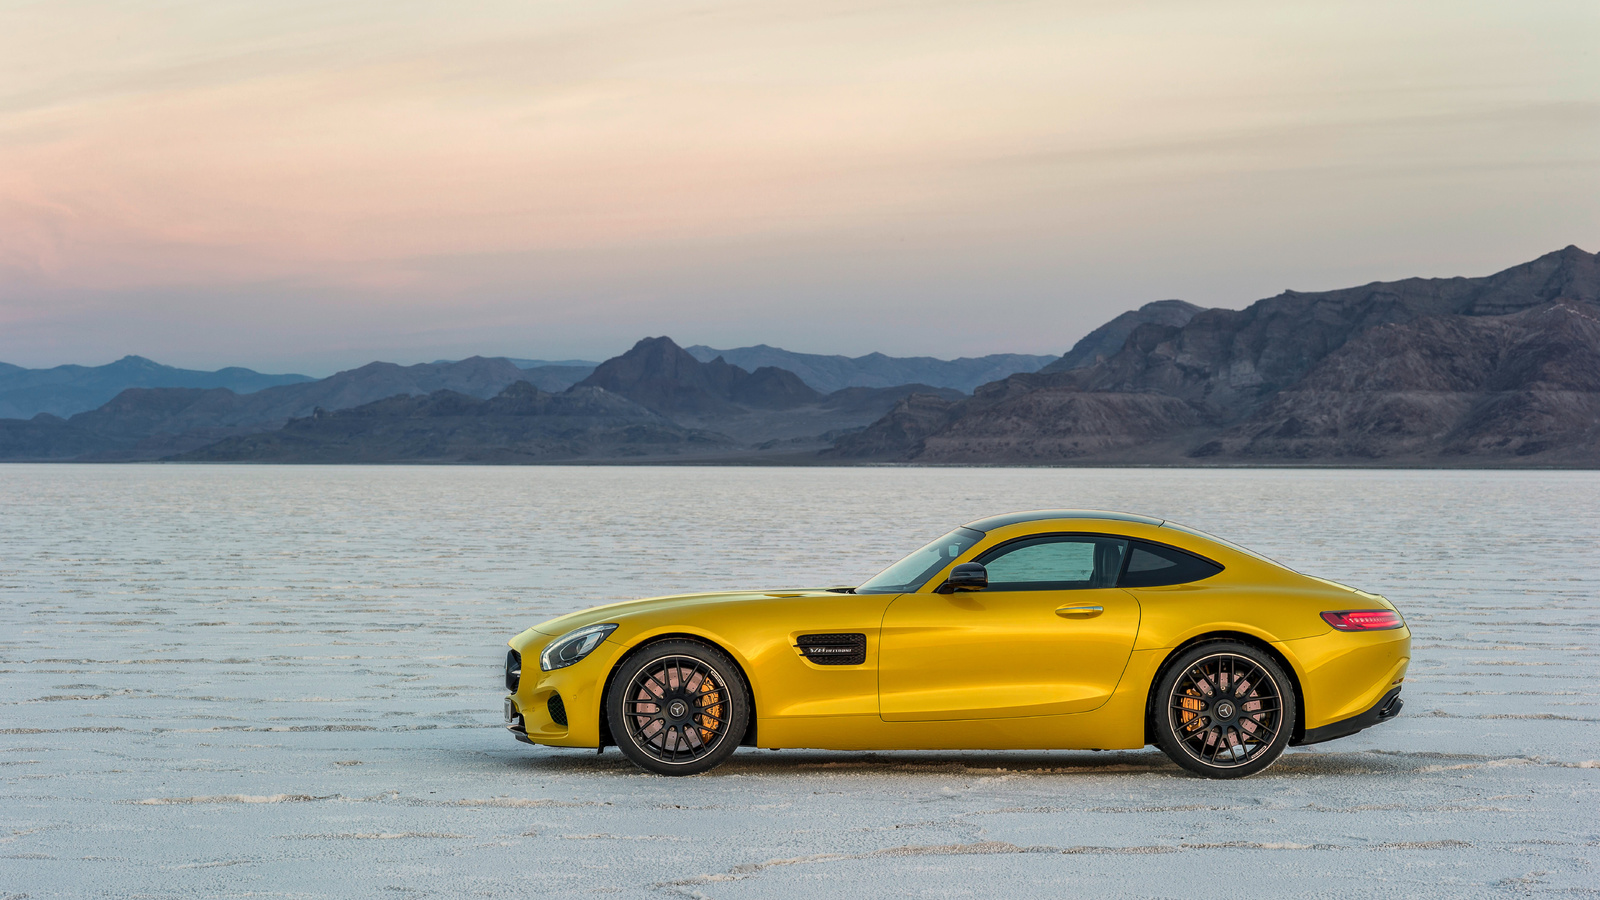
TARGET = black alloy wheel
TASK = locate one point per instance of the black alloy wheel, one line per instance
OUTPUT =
(1223, 710)
(678, 707)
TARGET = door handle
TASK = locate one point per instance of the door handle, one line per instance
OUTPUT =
(1080, 612)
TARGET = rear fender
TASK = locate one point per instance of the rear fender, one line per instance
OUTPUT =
(1277, 651)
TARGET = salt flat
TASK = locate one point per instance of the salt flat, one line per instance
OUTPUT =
(231, 681)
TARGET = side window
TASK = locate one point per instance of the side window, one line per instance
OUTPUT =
(1152, 565)
(1054, 563)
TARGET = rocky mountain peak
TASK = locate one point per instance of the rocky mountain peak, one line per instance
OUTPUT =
(664, 377)
(1570, 273)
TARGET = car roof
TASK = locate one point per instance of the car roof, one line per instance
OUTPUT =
(1036, 515)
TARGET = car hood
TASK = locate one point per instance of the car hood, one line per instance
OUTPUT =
(617, 612)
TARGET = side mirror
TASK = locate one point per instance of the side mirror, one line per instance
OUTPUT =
(966, 577)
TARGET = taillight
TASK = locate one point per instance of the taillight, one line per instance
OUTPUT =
(1364, 619)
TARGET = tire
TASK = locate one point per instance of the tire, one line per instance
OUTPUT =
(678, 707)
(1223, 709)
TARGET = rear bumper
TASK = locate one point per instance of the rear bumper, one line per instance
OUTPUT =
(1382, 711)
(1343, 675)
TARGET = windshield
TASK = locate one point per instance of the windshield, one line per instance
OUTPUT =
(912, 572)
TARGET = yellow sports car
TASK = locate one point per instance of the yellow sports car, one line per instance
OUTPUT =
(1060, 629)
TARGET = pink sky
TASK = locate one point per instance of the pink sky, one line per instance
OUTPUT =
(311, 186)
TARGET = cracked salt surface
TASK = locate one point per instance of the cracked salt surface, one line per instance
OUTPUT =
(284, 681)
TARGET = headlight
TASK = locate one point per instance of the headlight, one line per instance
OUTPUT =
(573, 646)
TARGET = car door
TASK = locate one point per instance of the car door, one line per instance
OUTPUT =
(1050, 635)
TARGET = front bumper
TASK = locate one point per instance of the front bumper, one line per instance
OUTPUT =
(559, 708)
(514, 722)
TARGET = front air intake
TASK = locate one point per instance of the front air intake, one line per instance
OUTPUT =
(558, 710)
(834, 649)
(513, 670)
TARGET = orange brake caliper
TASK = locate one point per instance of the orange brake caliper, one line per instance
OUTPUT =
(706, 687)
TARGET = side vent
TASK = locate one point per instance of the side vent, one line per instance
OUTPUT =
(834, 649)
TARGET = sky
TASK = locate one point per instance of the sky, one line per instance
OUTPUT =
(310, 186)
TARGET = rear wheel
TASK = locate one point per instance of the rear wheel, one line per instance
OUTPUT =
(1224, 710)
(678, 707)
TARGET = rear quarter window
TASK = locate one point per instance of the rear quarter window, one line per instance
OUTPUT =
(1153, 565)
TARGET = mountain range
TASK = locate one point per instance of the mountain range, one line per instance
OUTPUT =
(150, 423)
(521, 424)
(65, 390)
(653, 402)
(1500, 370)
(827, 374)
(682, 405)
(831, 373)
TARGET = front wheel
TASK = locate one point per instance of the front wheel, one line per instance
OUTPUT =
(1224, 710)
(678, 707)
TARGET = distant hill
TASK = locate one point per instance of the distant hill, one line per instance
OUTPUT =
(148, 423)
(476, 377)
(1105, 341)
(1524, 386)
(830, 373)
(755, 409)
(66, 390)
(662, 376)
(556, 378)
(752, 407)
(547, 375)
(900, 432)
(522, 424)
(533, 363)
(1497, 370)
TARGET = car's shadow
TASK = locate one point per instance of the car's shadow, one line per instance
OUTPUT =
(973, 763)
